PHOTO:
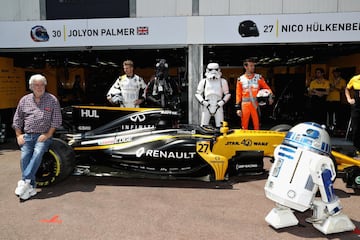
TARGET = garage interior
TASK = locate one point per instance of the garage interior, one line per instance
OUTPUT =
(286, 67)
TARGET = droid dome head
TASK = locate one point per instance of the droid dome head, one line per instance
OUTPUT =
(309, 136)
(213, 71)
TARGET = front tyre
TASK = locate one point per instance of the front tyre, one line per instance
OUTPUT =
(57, 164)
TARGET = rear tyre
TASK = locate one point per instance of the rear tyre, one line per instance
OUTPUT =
(57, 164)
(281, 128)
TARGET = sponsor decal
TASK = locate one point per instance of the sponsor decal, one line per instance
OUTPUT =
(357, 180)
(243, 166)
(247, 143)
(123, 139)
(154, 153)
(131, 126)
(84, 128)
(138, 118)
(89, 113)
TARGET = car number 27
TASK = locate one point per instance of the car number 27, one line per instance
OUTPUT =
(203, 147)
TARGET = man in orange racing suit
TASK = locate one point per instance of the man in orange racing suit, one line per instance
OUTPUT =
(247, 88)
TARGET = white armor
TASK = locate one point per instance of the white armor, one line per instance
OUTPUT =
(212, 93)
(125, 91)
(303, 167)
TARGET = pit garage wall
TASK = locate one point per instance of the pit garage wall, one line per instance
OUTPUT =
(25, 10)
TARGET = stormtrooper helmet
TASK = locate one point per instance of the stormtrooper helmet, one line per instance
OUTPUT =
(310, 136)
(213, 71)
(263, 96)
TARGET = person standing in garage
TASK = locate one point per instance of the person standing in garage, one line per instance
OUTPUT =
(36, 118)
(247, 88)
(128, 89)
(354, 84)
(318, 90)
(333, 104)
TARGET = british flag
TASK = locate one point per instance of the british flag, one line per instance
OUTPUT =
(142, 30)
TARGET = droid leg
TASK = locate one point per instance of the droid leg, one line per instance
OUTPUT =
(327, 224)
(327, 216)
(280, 217)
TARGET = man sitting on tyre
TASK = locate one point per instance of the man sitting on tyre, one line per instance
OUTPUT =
(36, 118)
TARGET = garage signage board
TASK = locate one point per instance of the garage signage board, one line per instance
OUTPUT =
(294, 28)
(165, 31)
(93, 32)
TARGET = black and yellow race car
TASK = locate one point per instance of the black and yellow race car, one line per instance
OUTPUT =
(151, 143)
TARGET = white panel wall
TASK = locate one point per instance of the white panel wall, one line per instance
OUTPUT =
(214, 7)
(349, 6)
(19, 10)
(163, 8)
(245, 7)
(310, 6)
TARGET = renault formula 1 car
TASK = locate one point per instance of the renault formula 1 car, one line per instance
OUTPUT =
(150, 143)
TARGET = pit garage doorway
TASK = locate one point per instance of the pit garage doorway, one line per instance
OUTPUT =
(288, 69)
(96, 70)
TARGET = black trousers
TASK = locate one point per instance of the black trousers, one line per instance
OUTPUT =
(355, 121)
(318, 110)
(333, 112)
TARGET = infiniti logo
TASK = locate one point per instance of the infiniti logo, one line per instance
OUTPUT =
(138, 118)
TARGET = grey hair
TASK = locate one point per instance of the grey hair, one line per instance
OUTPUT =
(37, 78)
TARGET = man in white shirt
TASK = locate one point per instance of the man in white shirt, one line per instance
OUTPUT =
(128, 89)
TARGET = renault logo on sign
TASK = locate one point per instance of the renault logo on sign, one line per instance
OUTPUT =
(138, 118)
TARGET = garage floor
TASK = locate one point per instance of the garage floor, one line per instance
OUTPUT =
(118, 208)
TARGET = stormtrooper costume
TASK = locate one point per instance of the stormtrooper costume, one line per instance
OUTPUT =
(126, 90)
(212, 93)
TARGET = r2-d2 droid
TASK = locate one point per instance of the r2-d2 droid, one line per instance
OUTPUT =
(302, 167)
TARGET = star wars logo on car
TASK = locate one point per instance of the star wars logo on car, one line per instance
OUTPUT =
(154, 153)
(247, 143)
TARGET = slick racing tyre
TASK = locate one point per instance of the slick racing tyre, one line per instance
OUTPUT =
(57, 164)
(281, 128)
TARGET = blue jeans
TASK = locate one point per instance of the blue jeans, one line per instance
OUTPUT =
(31, 156)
